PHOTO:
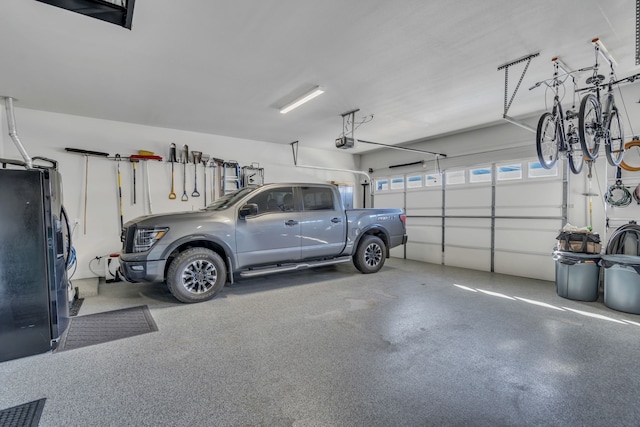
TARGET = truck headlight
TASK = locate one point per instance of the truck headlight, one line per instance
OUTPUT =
(145, 238)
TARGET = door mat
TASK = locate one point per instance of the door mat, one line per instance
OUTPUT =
(99, 328)
(75, 307)
(25, 415)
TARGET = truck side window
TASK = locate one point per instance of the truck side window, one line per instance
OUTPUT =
(272, 200)
(317, 198)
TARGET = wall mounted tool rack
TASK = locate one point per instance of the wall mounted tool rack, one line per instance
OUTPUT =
(252, 175)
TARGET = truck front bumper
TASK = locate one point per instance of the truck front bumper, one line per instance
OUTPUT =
(142, 271)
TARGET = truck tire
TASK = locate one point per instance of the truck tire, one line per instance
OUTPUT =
(196, 275)
(370, 255)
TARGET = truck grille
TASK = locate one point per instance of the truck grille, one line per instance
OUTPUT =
(127, 236)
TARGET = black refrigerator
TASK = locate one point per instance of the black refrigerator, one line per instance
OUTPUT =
(35, 243)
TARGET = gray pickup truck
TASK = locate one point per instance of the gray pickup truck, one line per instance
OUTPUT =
(256, 231)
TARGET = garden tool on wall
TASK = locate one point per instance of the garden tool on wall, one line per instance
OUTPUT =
(134, 164)
(172, 159)
(185, 159)
(205, 161)
(590, 193)
(118, 158)
(86, 154)
(197, 157)
(146, 156)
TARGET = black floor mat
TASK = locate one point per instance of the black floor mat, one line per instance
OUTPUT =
(108, 326)
(75, 307)
(26, 415)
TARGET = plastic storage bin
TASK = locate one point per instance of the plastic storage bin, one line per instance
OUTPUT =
(577, 275)
(622, 282)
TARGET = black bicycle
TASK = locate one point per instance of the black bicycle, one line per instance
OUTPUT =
(599, 121)
(552, 137)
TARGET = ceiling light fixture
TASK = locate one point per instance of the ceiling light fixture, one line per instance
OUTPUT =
(315, 91)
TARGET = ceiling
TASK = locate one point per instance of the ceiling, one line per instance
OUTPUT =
(421, 68)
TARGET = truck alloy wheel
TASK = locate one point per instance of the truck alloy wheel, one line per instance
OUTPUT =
(196, 274)
(371, 254)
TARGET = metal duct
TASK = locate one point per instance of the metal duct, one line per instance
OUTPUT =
(11, 123)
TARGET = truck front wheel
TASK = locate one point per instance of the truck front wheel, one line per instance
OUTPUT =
(370, 255)
(196, 274)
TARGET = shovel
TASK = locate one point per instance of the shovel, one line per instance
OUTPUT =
(172, 159)
(185, 159)
(197, 157)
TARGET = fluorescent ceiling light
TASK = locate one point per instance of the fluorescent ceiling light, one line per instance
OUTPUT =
(317, 90)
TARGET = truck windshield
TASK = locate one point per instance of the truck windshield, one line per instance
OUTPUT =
(229, 199)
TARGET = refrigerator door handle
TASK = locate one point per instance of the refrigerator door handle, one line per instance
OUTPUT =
(67, 255)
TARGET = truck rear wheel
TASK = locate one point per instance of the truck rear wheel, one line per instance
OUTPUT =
(196, 275)
(370, 255)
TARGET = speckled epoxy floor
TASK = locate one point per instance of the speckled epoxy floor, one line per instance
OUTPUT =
(416, 344)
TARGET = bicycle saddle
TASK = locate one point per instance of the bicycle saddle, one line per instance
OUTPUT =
(595, 79)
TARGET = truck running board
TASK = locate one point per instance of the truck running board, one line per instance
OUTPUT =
(293, 267)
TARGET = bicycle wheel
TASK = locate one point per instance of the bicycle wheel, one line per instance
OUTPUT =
(547, 140)
(614, 147)
(574, 153)
(589, 120)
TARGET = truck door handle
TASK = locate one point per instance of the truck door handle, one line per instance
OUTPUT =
(291, 222)
(336, 220)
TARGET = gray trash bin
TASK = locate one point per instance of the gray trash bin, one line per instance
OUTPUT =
(622, 282)
(577, 275)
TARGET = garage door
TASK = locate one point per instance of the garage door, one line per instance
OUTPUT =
(500, 217)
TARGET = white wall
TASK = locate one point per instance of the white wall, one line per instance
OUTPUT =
(47, 134)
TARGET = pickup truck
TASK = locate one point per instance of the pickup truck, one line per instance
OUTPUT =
(256, 231)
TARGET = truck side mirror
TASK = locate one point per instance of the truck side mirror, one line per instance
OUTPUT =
(248, 210)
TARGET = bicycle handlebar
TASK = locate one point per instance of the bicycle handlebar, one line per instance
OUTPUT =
(569, 73)
(629, 79)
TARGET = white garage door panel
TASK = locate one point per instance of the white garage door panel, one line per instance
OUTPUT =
(530, 210)
(424, 212)
(529, 224)
(534, 266)
(476, 259)
(476, 237)
(545, 195)
(482, 211)
(473, 232)
(425, 239)
(424, 234)
(534, 236)
(468, 196)
(389, 200)
(525, 241)
(424, 199)
(424, 252)
(423, 222)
